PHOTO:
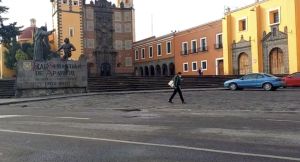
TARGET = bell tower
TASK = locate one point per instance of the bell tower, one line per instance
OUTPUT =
(127, 3)
(67, 17)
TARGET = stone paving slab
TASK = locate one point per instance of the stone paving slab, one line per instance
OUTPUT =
(33, 99)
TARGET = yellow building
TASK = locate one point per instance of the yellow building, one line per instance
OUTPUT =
(4, 71)
(67, 20)
(262, 37)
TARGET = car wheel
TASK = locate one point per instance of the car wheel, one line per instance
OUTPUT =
(233, 86)
(267, 86)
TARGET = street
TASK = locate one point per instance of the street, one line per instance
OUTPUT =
(214, 126)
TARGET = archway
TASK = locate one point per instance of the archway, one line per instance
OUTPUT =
(158, 70)
(105, 69)
(164, 70)
(244, 66)
(276, 61)
(146, 71)
(141, 71)
(172, 69)
(152, 70)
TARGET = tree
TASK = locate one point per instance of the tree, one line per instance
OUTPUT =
(8, 35)
(7, 32)
(10, 54)
(28, 48)
(21, 55)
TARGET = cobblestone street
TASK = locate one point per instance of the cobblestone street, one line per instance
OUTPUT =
(217, 125)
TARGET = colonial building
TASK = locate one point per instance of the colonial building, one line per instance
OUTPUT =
(100, 31)
(200, 47)
(262, 37)
(154, 56)
(185, 51)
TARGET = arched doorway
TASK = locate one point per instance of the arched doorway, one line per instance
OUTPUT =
(164, 70)
(152, 70)
(276, 61)
(244, 66)
(146, 71)
(141, 71)
(105, 69)
(158, 70)
(172, 68)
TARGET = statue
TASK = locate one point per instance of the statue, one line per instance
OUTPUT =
(68, 48)
(41, 44)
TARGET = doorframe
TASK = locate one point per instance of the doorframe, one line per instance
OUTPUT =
(217, 67)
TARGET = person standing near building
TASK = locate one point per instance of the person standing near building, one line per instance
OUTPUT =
(200, 72)
(177, 88)
(68, 48)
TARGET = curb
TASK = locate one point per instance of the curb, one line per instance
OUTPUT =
(25, 100)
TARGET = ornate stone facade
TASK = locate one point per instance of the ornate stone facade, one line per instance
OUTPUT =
(104, 51)
(242, 46)
(272, 40)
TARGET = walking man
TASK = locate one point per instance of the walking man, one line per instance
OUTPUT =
(177, 88)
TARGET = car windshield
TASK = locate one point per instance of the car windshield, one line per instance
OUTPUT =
(269, 75)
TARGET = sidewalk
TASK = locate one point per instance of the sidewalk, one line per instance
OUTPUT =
(35, 99)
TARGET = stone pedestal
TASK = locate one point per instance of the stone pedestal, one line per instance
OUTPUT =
(55, 77)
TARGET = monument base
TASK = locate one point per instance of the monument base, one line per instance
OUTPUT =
(48, 92)
(54, 77)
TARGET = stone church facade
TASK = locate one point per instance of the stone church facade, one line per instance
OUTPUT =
(108, 37)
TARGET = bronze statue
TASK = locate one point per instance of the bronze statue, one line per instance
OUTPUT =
(41, 44)
(68, 48)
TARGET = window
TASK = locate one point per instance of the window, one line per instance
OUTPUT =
(128, 61)
(143, 53)
(274, 16)
(204, 65)
(159, 50)
(118, 44)
(150, 52)
(118, 28)
(127, 28)
(184, 47)
(194, 66)
(203, 44)
(136, 55)
(128, 44)
(90, 25)
(219, 41)
(75, 2)
(169, 47)
(185, 67)
(71, 31)
(194, 46)
(118, 16)
(243, 24)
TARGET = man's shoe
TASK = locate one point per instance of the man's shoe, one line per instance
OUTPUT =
(170, 101)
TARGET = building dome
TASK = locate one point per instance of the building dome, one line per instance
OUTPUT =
(28, 33)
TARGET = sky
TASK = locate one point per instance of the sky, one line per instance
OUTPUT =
(165, 15)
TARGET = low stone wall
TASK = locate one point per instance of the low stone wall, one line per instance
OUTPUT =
(55, 77)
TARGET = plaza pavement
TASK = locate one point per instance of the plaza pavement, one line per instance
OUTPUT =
(214, 126)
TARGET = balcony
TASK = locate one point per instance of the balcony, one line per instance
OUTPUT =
(219, 46)
(203, 49)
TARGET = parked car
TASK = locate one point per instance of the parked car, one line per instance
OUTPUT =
(292, 80)
(256, 80)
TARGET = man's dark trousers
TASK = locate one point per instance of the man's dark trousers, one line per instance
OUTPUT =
(177, 89)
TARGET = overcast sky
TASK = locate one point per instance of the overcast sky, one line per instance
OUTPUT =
(167, 15)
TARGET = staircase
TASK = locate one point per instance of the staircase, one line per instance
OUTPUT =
(7, 88)
(118, 83)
